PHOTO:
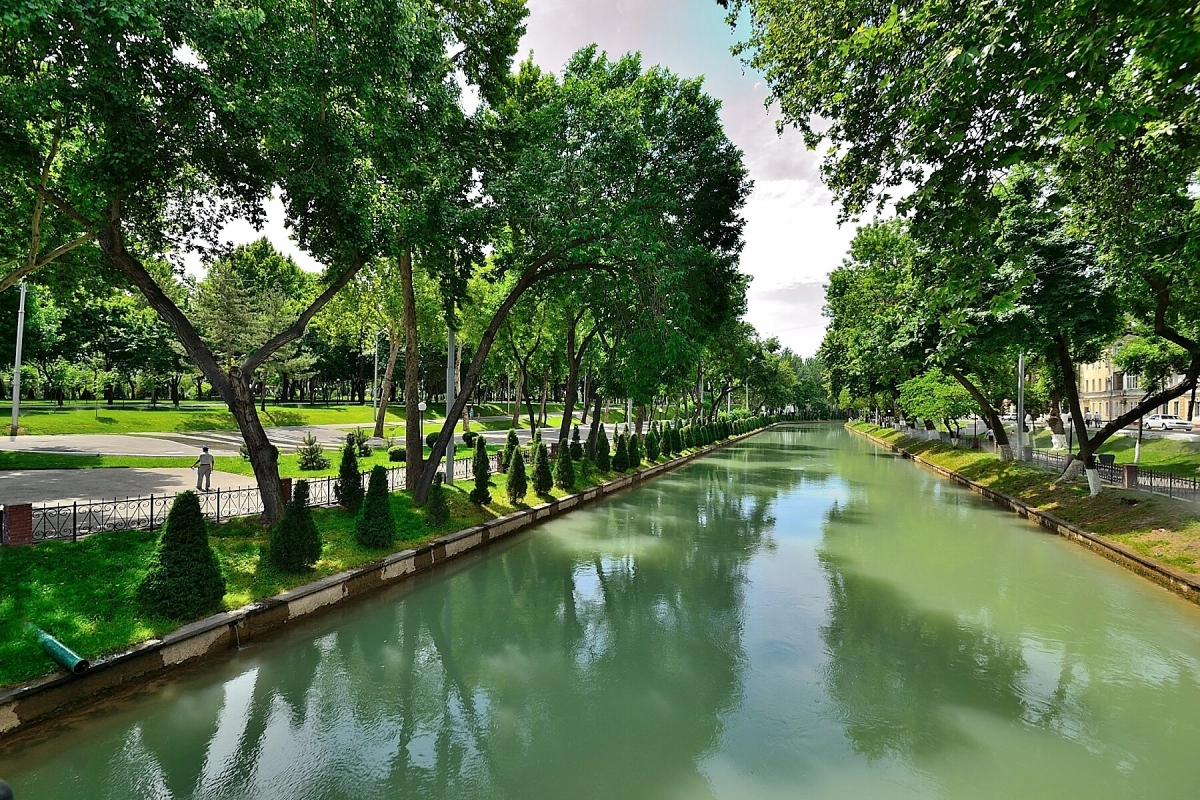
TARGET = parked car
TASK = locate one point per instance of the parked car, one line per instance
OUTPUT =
(1011, 416)
(1167, 422)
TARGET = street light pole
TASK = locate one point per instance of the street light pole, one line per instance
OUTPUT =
(16, 381)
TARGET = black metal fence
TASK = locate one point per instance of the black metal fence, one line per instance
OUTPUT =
(1164, 483)
(73, 520)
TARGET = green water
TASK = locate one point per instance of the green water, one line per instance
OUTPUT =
(800, 615)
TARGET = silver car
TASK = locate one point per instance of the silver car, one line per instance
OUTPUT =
(1167, 422)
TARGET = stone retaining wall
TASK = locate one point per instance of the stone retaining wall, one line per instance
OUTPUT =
(24, 706)
(1182, 583)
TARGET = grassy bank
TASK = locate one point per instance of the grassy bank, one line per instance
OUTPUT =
(84, 593)
(1157, 527)
(1174, 456)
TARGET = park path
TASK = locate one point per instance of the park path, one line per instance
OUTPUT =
(52, 486)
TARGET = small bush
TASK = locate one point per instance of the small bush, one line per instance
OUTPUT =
(482, 471)
(374, 526)
(603, 453)
(469, 438)
(511, 445)
(397, 453)
(432, 438)
(184, 581)
(437, 506)
(652, 448)
(312, 454)
(576, 446)
(518, 483)
(620, 461)
(564, 469)
(349, 490)
(295, 540)
(543, 480)
(362, 442)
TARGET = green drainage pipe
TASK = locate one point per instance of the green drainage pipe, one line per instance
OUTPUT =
(63, 656)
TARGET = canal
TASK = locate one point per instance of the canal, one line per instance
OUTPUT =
(798, 615)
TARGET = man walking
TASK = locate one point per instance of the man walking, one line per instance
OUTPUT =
(204, 468)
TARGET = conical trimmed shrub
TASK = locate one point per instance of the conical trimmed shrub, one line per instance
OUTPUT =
(590, 447)
(576, 446)
(349, 491)
(564, 469)
(635, 451)
(437, 505)
(518, 483)
(185, 580)
(511, 445)
(482, 471)
(603, 453)
(295, 540)
(620, 460)
(375, 526)
(652, 448)
(543, 480)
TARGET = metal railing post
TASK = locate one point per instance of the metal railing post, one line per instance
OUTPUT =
(74, 520)
(218, 505)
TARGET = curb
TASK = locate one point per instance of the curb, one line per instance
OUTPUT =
(25, 705)
(1182, 583)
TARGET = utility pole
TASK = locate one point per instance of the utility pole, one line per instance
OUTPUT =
(450, 402)
(16, 381)
(1021, 407)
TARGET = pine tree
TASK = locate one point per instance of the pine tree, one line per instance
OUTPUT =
(185, 579)
(603, 459)
(543, 480)
(564, 468)
(635, 451)
(511, 445)
(518, 483)
(375, 526)
(437, 504)
(620, 461)
(576, 446)
(685, 438)
(482, 471)
(349, 491)
(312, 454)
(652, 448)
(295, 540)
(591, 442)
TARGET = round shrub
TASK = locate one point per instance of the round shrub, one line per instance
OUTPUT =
(397, 453)
(184, 580)
(431, 439)
(295, 540)
(469, 438)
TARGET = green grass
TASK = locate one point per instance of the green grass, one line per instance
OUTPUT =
(1157, 527)
(50, 419)
(84, 593)
(1173, 456)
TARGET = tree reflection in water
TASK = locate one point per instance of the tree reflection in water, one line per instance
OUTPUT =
(592, 658)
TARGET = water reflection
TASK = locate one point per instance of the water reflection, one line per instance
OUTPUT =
(595, 658)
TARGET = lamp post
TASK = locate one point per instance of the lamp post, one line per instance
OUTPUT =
(16, 381)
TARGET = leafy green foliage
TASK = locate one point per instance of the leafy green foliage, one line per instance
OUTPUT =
(184, 580)
(375, 526)
(397, 453)
(635, 451)
(653, 451)
(349, 491)
(517, 483)
(603, 454)
(935, 397)
(481, 470)
(511, 445)
(295, 540)
(620, 460)
(576, 445)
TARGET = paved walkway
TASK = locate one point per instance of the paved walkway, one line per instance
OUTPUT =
(68, 485)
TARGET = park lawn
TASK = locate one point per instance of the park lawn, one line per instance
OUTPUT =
(1157, 527)
(84, 593)
(1174, 456)
(50, 419)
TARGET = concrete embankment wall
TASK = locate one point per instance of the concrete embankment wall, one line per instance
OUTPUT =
(24, 706)
(1182, 583)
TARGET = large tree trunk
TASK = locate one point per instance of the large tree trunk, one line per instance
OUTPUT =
(386, 390)
(594, 433)
(994, 422)
(528, 278)
(516, 399)
(413, 433)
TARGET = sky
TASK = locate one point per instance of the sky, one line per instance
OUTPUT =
(792, 237)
